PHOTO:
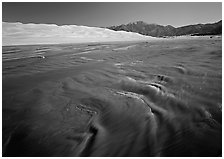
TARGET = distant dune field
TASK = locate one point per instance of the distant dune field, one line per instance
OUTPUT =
(30, 34)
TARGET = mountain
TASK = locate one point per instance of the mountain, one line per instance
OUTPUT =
(156, 30)
(29, 34)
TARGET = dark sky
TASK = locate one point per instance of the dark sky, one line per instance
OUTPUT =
(106, 14)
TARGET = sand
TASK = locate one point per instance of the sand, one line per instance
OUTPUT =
(159, 98)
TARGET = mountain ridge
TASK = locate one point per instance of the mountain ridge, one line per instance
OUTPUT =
(157, 30)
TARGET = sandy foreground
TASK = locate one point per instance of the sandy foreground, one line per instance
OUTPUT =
(157, 98)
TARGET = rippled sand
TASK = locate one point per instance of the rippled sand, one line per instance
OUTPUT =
(159, 98)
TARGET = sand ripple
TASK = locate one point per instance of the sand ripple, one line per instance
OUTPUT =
(113, 100)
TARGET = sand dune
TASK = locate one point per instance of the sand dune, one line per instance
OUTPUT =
(24, 34)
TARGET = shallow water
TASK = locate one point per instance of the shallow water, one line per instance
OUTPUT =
(161, 98)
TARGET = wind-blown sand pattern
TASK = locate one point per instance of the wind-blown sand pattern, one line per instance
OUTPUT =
(160, 98)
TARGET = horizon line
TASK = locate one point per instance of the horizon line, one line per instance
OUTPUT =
(111, 25)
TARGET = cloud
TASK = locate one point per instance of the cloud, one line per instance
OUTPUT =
(26, 34)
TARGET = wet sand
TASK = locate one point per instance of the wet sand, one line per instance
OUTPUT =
(158, 98)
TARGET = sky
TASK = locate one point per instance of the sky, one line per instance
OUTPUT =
(104, 14)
